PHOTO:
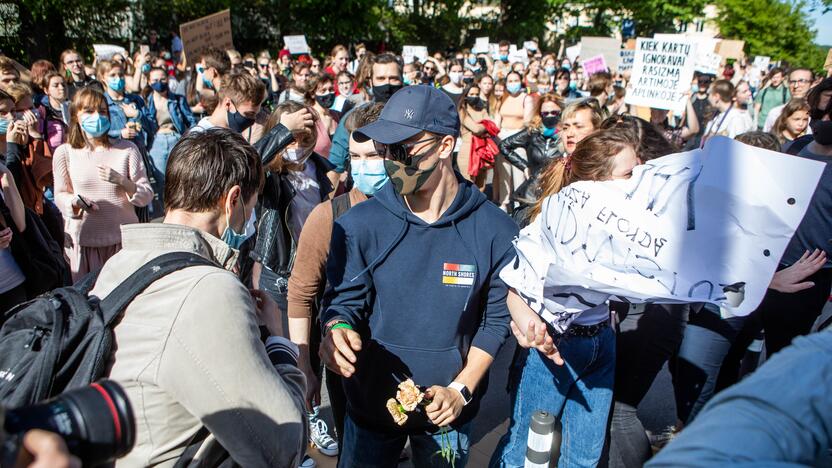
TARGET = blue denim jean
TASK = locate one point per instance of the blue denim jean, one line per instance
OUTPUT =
(580, 392)
(162, 145)
(366, 448)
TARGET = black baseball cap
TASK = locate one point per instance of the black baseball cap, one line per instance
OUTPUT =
(411, 110)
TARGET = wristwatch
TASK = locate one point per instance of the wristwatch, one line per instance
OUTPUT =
(463, 390)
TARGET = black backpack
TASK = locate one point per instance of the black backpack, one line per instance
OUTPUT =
(63, 339)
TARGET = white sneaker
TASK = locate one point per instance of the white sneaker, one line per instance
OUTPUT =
(319, 435)
(308, 462)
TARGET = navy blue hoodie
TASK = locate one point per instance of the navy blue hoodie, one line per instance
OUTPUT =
(419, 294)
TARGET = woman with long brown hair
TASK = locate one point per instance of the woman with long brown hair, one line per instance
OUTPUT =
(793, 121)
(571, 378)
(98, 184)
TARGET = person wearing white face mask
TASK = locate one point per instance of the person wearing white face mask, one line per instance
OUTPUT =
(453, 88)
(98, 184)
(306, 285)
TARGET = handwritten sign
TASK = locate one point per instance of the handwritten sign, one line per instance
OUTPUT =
(414, 52)
(606, 46)
(688, 227)
(206, 32)
(481, 45)
(761, 62)
(573, 52)
(627, 57)
(518, 55)
(106, 51)
(296, 44)
(708, 63)
(594, 65)
(662, 73)
(729, 48)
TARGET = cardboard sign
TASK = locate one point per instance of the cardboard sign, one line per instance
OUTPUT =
(662, 73)
(731, 49)
(688, 227)
(606, 46)
(594, 65)
(414, 52)
(296, 44)
(631, 44)
(106, 51)
(206, 32)
(708, 63)
(481, 45)
(573, 52)
(626, 62)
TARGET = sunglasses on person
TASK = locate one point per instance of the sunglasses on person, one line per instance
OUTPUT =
(263, 65)
(400, 152)
(550, 114)
(427, 69)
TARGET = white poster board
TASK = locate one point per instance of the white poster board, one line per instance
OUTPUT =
(481, 45)
(573, 52)
(519, 55)
(626, 60)
(606, 46)
(761, 62)
(296, 44)
(708, 225)
(662, 73)
(106, 51)
(409, 52)
(708, 63)
(530, 45)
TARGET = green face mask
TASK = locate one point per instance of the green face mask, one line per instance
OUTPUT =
(408, 179)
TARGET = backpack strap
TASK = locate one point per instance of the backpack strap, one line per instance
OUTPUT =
(340, 205)
(114, 304)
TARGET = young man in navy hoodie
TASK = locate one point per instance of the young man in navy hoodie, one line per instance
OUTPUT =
(415, 290)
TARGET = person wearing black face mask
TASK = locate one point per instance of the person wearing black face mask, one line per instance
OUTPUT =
(472, 113)
(320, 95)
(541, 142)
(240, 98)
(169, 117)
(385, 79)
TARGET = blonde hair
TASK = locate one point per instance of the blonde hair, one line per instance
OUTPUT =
(592, 160)
(306, 140)
(86, 99)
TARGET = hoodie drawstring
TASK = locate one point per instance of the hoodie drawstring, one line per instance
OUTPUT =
(386, 251)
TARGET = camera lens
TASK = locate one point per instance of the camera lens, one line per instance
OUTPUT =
(96, 421)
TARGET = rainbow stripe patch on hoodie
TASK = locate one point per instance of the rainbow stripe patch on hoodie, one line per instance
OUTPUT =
(458, 274)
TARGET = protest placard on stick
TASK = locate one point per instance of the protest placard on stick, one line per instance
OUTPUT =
(662, 73)
(212, 31)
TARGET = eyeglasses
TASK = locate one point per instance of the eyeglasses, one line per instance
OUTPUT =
(550, 114)
(795, 82)
(400, 152)
(427, 69)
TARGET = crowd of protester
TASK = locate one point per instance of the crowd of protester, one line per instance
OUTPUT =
(331, 191)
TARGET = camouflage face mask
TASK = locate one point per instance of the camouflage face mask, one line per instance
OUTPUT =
(407, 179)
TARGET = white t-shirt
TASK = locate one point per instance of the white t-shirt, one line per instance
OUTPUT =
(307, 197)
(736, 122)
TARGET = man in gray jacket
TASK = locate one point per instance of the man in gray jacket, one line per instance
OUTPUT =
(188, 352)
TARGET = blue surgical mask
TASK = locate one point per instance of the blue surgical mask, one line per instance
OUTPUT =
(116, 83)
(146, 68)
(514, 88)
(504, 57)
(4, 126)
(550, 70)
(406, 80)
(159, 86)
(235, 240)
(95, 124)
(566, 66)
(207, 83)
(573, 86)
(369, 175)
(694, 88)
(472, 60)
(548, 132)
(200, 69)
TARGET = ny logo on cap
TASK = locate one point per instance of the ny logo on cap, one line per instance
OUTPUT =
(409, 113)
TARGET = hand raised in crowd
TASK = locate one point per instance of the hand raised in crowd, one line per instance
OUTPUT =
(338, 351)
(537, 336)
(790, 280)
(446, 405)
(268, 312)
(298, 121)
(18, 133)
(5, 238)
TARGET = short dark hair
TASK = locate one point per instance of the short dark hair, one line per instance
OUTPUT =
(363, 115)
(599, 82)
(760, 140)
(218, 59)
(384, 59)
(203, 166)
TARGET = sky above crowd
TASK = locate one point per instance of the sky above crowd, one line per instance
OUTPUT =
(823, 26)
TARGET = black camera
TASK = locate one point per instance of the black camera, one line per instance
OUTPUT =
(96, 422)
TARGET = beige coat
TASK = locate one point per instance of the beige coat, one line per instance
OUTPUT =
(189, 353)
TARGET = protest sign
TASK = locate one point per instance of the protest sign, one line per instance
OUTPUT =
(761, 62)
(296, 44)
(206, 32)
(106, 51)
(530, 45)
(519, 55)
(626, 62)
(731, 49)
(481, 45)
(573, 52)
(606, 46)
(708, 225)
(594, 65)
(708, 63)
(662, 73)
(417, 52)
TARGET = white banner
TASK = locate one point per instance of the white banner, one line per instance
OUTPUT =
(708, 225)
(708, 63)
(106, 51)
(662, 73)
(296, 44)
(411, 52)
(481, 45)
(573, 53)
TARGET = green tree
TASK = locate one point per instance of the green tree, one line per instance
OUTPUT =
(773, 28)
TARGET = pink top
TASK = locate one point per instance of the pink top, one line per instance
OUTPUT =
(76, 172)
(324, 143)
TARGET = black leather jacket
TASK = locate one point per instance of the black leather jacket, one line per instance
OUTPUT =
(540, 150)
(274, 247)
